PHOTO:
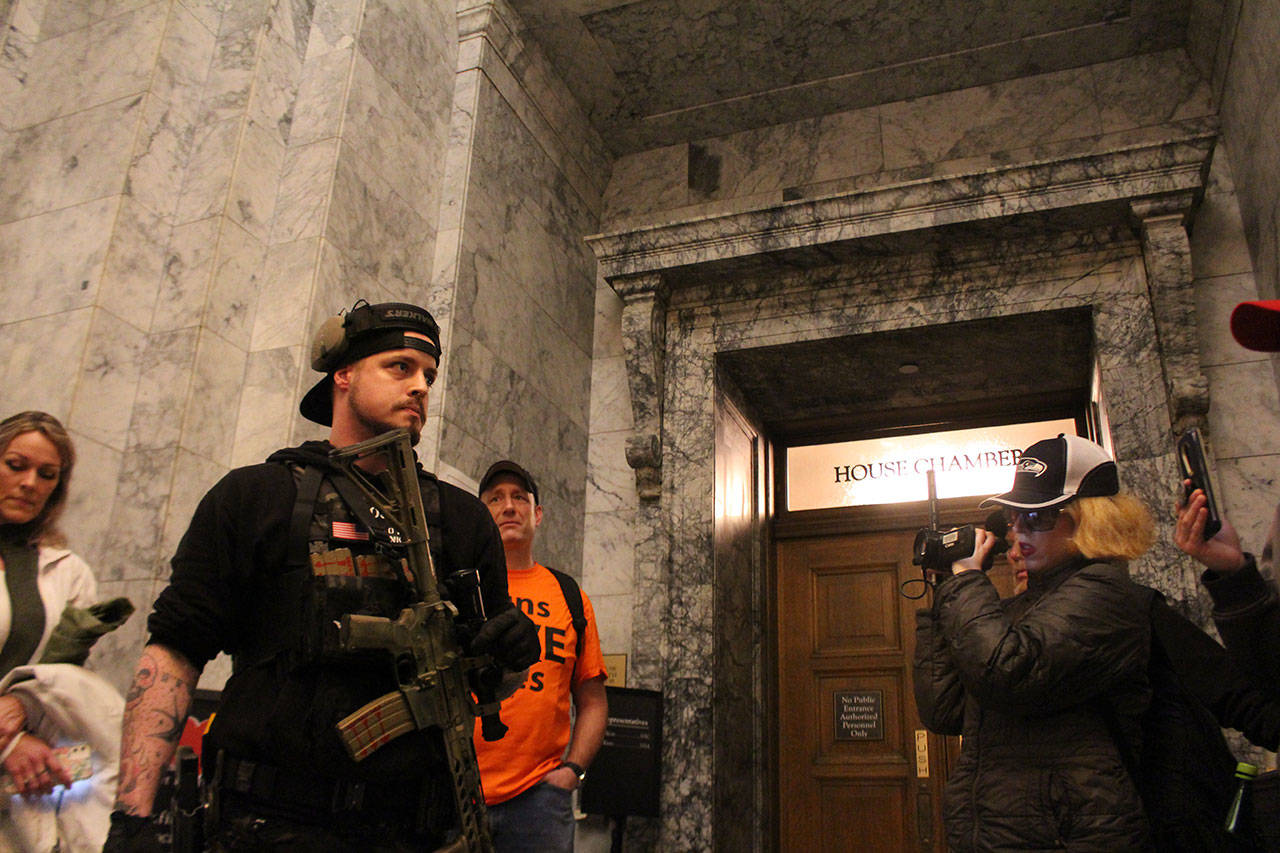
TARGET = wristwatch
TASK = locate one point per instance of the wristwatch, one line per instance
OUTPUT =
(577, 770)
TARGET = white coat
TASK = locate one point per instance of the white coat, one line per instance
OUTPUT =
(74, 706)
(62, 578)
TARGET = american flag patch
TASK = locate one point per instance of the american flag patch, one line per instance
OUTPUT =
(347, 530)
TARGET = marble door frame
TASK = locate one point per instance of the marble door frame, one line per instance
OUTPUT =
(1115, 244)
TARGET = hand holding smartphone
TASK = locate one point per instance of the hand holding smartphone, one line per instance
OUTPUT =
(1192, 465)
(77, 759)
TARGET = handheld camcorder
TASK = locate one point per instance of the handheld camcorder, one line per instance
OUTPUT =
(936, 548)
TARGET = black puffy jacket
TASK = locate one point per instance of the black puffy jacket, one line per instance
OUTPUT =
(1042, 686)
(1246, 609)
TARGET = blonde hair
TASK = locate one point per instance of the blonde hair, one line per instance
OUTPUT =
(1116, 527)
(42, 530)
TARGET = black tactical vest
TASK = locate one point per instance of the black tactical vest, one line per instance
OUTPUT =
(337, 565)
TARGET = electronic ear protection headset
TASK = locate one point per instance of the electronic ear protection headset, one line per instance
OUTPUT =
(333, 339)
(332, 346)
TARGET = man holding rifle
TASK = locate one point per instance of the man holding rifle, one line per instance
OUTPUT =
(285, 566)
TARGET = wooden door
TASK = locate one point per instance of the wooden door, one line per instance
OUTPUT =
(856, 769)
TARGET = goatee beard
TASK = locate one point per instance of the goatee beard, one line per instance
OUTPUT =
(376, 427)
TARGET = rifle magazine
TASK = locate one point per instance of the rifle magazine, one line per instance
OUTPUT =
(384, 719)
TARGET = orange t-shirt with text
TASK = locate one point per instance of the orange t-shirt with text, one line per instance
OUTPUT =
(537, 714)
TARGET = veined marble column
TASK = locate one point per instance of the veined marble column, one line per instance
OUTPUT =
(644, 334)
(1166, 252)
(644, 338)
(514, 285)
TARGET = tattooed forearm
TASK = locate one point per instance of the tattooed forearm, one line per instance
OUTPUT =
(155, 712)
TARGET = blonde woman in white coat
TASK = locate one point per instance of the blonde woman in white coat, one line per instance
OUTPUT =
(40, 579)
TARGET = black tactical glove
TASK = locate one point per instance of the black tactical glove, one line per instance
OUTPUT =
(512, 639)
(133, 834)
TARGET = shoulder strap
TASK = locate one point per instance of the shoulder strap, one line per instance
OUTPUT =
(304, 507)
(577, 614)
(429, 486)
(278, 598)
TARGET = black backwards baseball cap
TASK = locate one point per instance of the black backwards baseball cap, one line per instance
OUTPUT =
(364, 330)
(506, 466)
(1057, 470)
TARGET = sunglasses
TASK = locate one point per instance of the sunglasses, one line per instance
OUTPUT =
(1038, 520)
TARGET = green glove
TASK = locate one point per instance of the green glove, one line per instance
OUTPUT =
(80, 627)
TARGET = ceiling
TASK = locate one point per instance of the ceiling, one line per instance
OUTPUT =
(652, 73)
(1023, 365)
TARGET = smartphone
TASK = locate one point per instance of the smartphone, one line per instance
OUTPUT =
(1192, 465)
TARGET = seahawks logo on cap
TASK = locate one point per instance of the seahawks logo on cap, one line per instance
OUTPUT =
(1031, 466)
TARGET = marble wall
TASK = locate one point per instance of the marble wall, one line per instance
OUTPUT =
(1251, 124)
(1244, 412)
(609, 541)
(515, 282)
(1023, 120)
(188, 187)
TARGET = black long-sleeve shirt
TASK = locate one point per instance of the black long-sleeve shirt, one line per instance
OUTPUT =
(1208, 673)
(1246, 610)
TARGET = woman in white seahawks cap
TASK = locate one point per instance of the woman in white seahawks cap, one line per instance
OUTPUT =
(1044, 686)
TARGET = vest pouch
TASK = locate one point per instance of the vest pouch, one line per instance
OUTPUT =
(334, 596)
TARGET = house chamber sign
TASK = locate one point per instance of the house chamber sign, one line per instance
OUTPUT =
(966, 462)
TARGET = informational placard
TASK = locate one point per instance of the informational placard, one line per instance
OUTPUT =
(626, 774)
(965, 462)
(859, 715)
(616, 666)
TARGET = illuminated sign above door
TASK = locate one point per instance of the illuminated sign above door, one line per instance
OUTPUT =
(890, 470)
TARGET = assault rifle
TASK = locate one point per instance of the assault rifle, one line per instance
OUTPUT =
(436, 678)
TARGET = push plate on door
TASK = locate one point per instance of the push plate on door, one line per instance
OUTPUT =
(922, 754)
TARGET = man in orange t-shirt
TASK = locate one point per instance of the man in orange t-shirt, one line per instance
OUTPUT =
(528, 776)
